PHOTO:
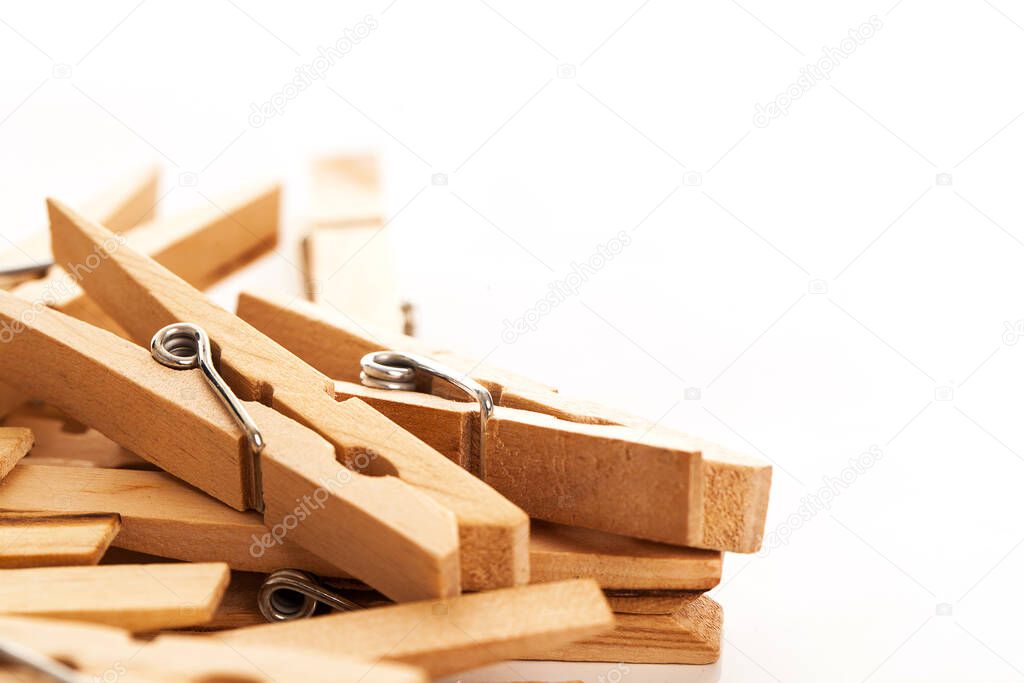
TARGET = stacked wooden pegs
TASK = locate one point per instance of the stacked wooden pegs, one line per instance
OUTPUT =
(395, 509)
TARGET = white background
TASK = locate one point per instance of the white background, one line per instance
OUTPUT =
(811, 278)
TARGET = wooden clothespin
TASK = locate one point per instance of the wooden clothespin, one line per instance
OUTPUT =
(560, 460)
(173, 419)
(55, 539)
(347, 255)
(652, 628)
(204, 245)
(619, 563)
(451, 635)
(396, 533)
(134, 597)
(90, 652)
(654, 589)
(15, 443)
(165, 518)
(62, 441)
(160, 516)
(121, 207)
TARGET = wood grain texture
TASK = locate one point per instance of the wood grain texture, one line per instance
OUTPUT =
(725, 500)
(62, 441)
(685, 628)
(618, 562)
(605, 477)
(123, 206)
(346, 251)
(105, 653)
(134, 597)
(238, 608)
(173, 419)
(651, 627)
(164, 517)
(451, 635)
(39, 539)
(15, 443)
(376, 528)
(203, 245)
(734, 486)
(145, 296)
(206, 244)
(160, 516)
(169, 417)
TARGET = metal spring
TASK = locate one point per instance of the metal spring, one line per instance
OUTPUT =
(290, 594)
(401, 371)
(184, 346)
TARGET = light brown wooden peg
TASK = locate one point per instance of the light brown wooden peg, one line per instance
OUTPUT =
(144, 296)
(123, 206)
(447, 636)
(679, 628)
(105, 653)
(203, 245)
(15, 443)
(134, 597)
(166, 518)
(40, 539)
(562, 460)
(173, 419)
(347, 251)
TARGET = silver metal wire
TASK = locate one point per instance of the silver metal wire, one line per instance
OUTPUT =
(290, 594)
(18, 653)
(184, 346)
(401, 371)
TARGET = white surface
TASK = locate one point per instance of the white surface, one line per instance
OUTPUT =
(717, 288)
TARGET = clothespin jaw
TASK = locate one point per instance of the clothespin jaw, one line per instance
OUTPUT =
(143, 297)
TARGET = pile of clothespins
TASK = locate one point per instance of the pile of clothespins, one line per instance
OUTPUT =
(176, 475)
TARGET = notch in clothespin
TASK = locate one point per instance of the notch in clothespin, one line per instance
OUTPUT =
(560, 460)
(393, 531)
